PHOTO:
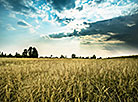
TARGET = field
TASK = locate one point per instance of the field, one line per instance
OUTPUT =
(68, 80)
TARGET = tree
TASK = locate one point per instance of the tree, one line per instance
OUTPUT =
(24, 54)
(62, 56)
(30, 52)
(10, 55)
(93, 57)
(2, 55)
(17, 55)
(101, 58)
(73, 56)
(80, 57)
(87, 58)
(34, 53)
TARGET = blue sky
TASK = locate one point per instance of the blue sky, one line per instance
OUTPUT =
(84, 27)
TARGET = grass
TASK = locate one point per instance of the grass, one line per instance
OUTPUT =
(68, 80)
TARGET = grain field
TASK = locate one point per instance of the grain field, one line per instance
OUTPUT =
(68, 80)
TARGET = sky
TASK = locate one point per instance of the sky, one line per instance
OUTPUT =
(84, 27)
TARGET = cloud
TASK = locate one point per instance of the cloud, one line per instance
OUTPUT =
(10, 27)
(20, 6)
(92, 11)
(23, 23)
(112, 31)
(131, 25)
(44, 36)
(80, 8)
(68, 12)
(59, 35)
(73, 14)
(98, 39)
(60, 5)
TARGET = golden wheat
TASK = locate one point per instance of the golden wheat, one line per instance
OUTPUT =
(68, 80)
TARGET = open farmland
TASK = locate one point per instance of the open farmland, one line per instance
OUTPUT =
(68, 80)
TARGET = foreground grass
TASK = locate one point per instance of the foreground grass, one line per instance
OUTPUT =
(68, 80)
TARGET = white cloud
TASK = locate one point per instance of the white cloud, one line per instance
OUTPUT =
(10, 27)
(111, 33)
(96, 12)
(99, 39)
(44, 36)
(77, 25)
(91, 12)
(24, 24)
(32, 29)
(131, 25)
(114, 42)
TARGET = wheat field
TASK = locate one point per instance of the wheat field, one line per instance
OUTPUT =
(68, 80)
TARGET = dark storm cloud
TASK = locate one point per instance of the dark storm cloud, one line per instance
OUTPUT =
(122, 29)
(60, 35)
(21, 6)
(59, 5)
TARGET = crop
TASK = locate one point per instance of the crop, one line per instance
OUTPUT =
(68, 80)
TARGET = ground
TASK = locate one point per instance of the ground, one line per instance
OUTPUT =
(68, 80)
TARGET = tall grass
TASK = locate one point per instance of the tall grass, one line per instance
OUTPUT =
(68, 80)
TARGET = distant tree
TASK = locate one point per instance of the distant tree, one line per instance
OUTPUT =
(4, 55)
(93, 57)
(34, 53)
(41, 57)
(100, 58)
(45, 57)
(17, 55)
(24, 54)
(1, 54)
(80, 57)
(87, 58)
(62, 56)
(10, 55)
(30, 52)
(73, 56)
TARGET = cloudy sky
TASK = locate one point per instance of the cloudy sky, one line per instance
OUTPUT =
(84, 27)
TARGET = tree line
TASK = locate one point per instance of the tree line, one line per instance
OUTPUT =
(31, 52)
(73, 56)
